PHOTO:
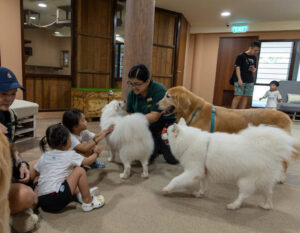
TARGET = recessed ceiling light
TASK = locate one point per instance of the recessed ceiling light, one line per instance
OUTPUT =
(56, 32)
(42, 5)
(225, 13)
(32, 17)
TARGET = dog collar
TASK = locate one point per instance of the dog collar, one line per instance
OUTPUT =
(194, 114)
(212, 121)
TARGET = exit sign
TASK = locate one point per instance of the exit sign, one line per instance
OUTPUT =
(239, 29)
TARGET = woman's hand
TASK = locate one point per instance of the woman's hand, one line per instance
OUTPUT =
(3, 129)
(24, 174)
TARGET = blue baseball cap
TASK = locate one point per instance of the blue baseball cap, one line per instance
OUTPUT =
(8, 80)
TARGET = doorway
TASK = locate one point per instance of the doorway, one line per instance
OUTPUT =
(229, 49)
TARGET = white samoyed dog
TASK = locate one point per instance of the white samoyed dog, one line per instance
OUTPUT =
(251, 159)
(131, 138)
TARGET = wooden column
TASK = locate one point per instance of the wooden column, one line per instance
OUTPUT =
(139, 24)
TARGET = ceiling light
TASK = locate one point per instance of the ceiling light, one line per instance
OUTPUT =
(56, 33)
(117, 35)
(225, 13)
(32, 17)
(42, 5)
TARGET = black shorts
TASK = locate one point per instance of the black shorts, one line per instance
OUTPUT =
(54, 202)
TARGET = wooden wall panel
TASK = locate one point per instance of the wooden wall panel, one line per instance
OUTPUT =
(162, 61)
(51, 92)
(94, 38)
(166, 81)
(93, 80)
(164, 28)
(95, 17)
(95, 54)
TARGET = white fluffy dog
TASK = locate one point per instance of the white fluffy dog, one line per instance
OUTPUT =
(131, 138)
(252, 159)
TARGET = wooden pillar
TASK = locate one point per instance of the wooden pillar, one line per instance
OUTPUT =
(139, 26)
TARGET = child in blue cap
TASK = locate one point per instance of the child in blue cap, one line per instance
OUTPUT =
(22, 198)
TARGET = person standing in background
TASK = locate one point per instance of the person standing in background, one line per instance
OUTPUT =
(245, 66)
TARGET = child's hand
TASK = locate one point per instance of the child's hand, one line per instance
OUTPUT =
(109, 130)
(97, 149)
(24, 174)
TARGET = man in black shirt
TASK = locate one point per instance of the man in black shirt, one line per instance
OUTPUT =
(245, 66)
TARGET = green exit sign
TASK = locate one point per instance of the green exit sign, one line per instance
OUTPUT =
(239, 29)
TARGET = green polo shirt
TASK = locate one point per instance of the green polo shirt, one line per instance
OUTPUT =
(145, 105)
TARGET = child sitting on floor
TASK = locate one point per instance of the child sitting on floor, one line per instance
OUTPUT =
(61, 174)
(82, 140)
(273, 95)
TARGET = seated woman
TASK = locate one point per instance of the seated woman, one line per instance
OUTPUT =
(22, 198)
(143, 98)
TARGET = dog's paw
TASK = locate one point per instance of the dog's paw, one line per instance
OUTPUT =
(282, 178)
(198, 194)
(145, 175)
(124, 176)
(266, 206)
(233, 206)
(165, 191)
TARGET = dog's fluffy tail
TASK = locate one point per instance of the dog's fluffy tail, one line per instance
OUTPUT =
(278, 144)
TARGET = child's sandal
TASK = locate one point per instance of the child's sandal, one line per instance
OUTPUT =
(97, 202)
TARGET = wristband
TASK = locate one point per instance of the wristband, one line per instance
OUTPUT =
(95, 141)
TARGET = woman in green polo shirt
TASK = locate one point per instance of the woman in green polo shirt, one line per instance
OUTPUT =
(143, 98)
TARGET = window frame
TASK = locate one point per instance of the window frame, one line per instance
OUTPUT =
(293, 58)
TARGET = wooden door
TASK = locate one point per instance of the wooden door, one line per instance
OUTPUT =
(181, 47)
(164, 47)
(94, 41)
(229, 49)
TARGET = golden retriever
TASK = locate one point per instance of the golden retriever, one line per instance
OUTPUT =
(183, 103)
(5, 181)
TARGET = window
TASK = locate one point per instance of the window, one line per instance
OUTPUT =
(119, 54)
(274, 61)
(274, 64)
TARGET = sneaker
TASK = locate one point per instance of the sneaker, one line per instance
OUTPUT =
(25, 221)
(97, 202)
(97, 164)
(79, 197)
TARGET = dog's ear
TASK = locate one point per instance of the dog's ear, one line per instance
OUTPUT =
(182, 121)
(183, 100)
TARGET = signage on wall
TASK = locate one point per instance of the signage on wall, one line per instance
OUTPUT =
(239, 29)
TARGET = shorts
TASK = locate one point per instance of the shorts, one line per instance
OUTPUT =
(245, 90)
(54, 202)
